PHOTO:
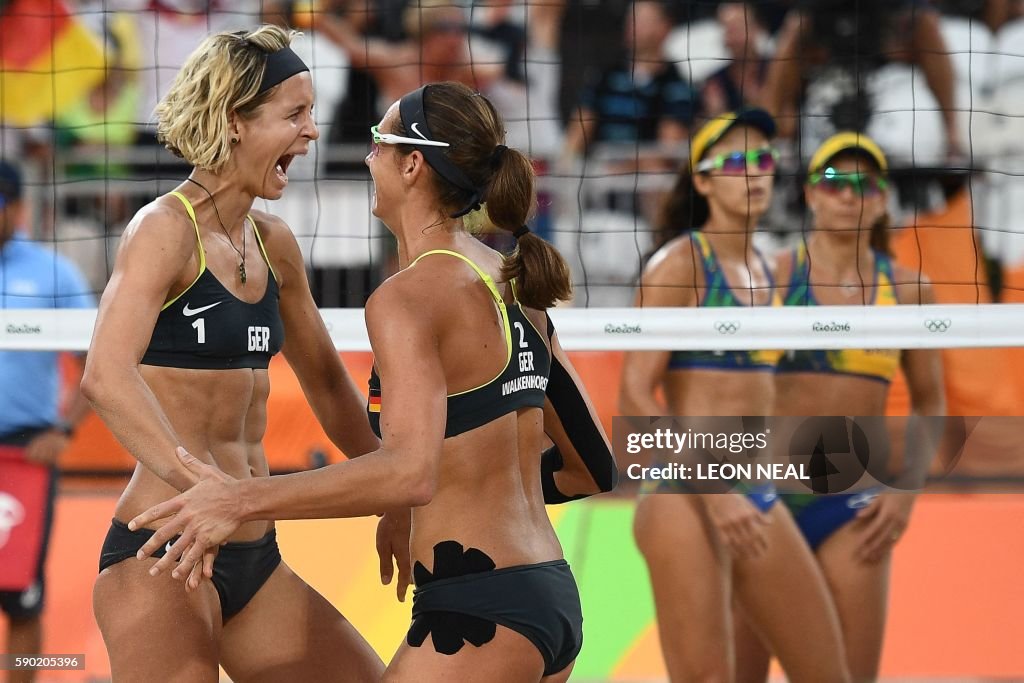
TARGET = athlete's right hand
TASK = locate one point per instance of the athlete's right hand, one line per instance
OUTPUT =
(203, 518)
(393, 532)
(740, 525)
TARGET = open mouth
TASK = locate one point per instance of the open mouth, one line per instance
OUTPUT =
(282, 166)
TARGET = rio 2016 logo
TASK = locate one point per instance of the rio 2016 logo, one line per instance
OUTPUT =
(831, 326)
(621, 329)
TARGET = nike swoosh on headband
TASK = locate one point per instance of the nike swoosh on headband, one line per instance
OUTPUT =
(194, 311)
(416, 129)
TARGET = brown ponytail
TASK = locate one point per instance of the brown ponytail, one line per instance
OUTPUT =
(540, 271)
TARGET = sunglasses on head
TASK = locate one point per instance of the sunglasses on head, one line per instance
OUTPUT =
(835, 182)
(762, 159)
(377, 138)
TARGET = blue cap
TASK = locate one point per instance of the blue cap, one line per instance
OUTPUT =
(10, 183)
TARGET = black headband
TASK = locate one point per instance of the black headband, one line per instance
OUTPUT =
(281, 65)
(414, 120)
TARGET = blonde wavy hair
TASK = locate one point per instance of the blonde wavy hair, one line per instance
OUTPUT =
(222, 76)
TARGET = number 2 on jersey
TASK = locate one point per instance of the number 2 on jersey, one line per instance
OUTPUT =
(522, 335)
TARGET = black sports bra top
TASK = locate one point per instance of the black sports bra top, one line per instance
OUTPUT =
(520, 384)
(207, 327)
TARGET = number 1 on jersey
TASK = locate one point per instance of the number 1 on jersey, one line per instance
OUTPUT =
(200, 326)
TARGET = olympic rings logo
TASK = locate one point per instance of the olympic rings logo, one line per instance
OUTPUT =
(937, 325)
(727, 326)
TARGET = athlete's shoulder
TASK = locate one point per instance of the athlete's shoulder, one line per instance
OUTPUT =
(401, 309)
(164, 222)
(673, 263)
(271, 227)
(911, 286)
(417, 287)
(159, 247)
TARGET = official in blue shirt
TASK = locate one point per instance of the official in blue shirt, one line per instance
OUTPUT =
(33, 276)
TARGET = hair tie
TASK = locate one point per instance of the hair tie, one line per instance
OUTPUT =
(497, 155)
(520, 231)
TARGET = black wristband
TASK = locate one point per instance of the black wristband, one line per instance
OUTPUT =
(550, 462)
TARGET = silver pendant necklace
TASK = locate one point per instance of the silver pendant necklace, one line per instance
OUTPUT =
(241, 254)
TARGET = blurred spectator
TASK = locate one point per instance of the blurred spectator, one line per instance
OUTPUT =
(361, 106)
(529, 101)
(642, 100)
(436, 48)
(826, 51)
(773, 13)
(501, 23)
(170, 30)
(328, 67)
(32, 432)
(629, 115)
(994, 13)
(590, 42)
(740, 82)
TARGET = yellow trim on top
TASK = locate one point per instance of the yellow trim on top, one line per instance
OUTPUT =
(202, 252)
(263, 250)
(497, 299)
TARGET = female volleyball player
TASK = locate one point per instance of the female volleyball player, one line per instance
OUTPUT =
(845, 261)
(704, 550)
(204, 292)
(468, 378)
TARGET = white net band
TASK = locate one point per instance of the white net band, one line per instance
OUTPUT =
(649, 329)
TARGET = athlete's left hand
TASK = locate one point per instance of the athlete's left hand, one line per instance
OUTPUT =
(393, 531)
(882, 523)
(205, 517)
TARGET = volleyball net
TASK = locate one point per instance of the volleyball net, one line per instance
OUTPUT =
(944, 98)
(80, 80)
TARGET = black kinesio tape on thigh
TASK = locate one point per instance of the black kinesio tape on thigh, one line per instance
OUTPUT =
(450, 630)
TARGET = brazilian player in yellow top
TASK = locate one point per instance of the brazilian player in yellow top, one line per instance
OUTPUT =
(704, 552)
(845, 261)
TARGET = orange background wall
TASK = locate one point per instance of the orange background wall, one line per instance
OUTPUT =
(955, 606)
